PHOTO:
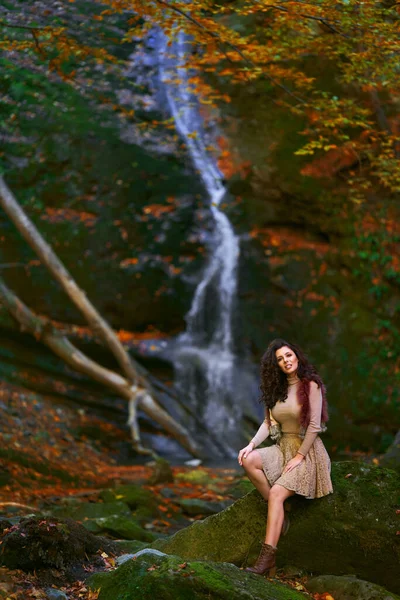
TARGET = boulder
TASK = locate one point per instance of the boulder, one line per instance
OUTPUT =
(349, 588)
(150, 576)
(352, 531)
(195, 477)
(139, 500)
(162, 472)
(37, 543)
(240, 488)
(124, 527)
(195, 506)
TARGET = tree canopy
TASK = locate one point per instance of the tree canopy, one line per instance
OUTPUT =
(353, 108)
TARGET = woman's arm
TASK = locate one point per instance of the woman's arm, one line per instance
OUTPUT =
(314, 426)
(262, 433)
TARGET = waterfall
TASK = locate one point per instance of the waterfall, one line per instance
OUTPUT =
(203, 355)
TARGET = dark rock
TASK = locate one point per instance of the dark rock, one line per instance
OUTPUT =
(4, 524)
(349, 588)
(37, 543)
(162, 473)
(53, 594)
(167, 493)
(391, 460)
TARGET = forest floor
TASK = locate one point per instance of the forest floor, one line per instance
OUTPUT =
(47, 458)
(47, 455)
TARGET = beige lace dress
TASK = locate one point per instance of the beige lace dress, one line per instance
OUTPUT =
(311, 478)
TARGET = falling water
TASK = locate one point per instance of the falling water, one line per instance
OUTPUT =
(204, 359)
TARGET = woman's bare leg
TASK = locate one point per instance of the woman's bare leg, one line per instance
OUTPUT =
(253, 466)
(277, 496)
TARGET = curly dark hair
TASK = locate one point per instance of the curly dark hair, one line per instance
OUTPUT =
(274, 383)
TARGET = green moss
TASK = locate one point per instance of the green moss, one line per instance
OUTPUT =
(139, 500)
(124, 527)
(195, 476)
(169, 577)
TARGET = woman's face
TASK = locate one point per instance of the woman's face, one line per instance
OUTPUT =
(287, 360)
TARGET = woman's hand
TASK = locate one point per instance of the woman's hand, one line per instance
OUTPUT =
(293, 463)
(245, 452)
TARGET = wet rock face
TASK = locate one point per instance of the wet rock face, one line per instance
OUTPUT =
(116, 197)
(37, 543)
(341, 533)
(169, 577)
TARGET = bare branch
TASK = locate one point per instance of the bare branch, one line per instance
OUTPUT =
(28, 27)
(18, 505)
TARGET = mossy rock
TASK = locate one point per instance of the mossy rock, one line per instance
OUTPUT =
(240, 488)
(37, 543)
(195, 506)
(123, 527)
(162, 472)
(168, 577)
(137, 498)
(83, 511)
(130, 546)
(196, 476)
(391, 460)
(350, 531)
(349, 588)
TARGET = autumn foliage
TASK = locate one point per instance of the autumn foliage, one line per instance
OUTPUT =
(357, 43)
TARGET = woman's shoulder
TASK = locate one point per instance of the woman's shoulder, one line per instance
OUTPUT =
(313, 385)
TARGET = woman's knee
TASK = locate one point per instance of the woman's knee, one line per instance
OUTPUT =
(252, 461)
(277, 494)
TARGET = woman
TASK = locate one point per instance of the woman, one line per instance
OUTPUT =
(296, 410)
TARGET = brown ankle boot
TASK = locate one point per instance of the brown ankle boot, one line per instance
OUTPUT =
(265, 561)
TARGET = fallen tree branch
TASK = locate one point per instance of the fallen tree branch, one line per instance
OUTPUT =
(135, 383)
(19, 505)
(43, 330)
(48, 257)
